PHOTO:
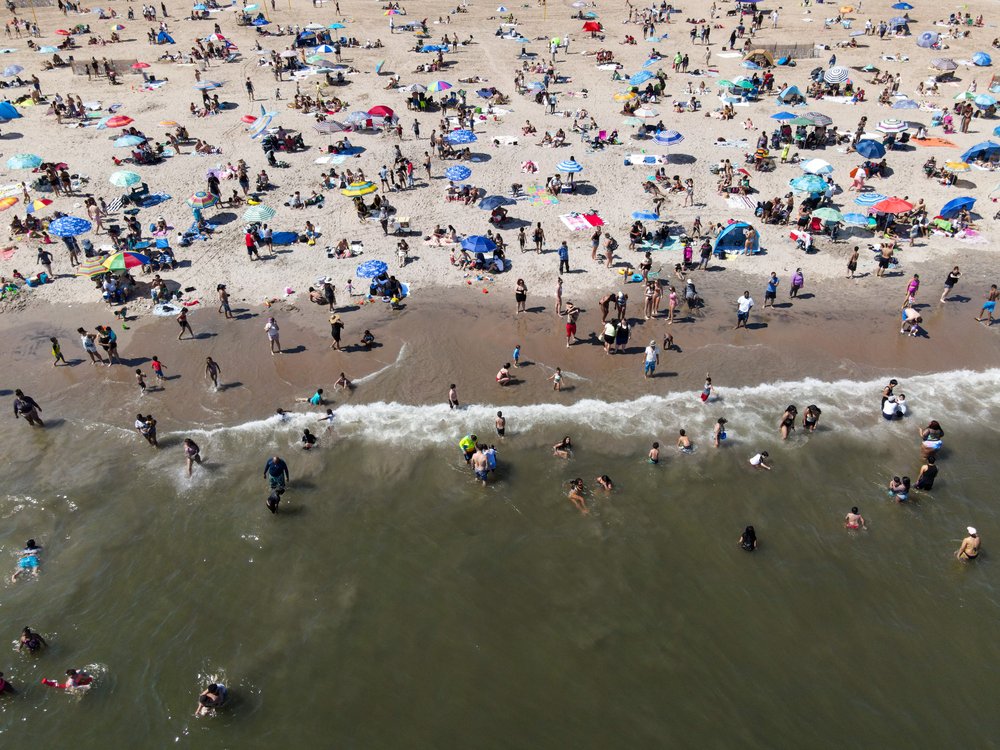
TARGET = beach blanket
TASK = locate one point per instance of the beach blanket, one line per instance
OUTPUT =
(537, 195)
(672, 244)
(7, 253)
(645, 159)
(938, 142)
(116, 205)
(740, 203)
(971, 236)
(505, 140)
(153, 199)
(742, 143)
(152, 85)
(576, 222)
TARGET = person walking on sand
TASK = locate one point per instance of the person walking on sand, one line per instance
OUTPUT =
(57, 355)
(852, 263)
(949, 283)
(212, 371)
(743, 305)
(989, 305)
(182, 321)
(224, 306)
(273, 336)
(520, 296)
(559, 291)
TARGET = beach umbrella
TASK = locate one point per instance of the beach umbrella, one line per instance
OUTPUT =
(439, 86)
(928, 39)
(891, 126)
(414, 88)
(631, 121)
(570, 166)
(370, 269)
(201, 199)
(870, 149)
(119, 121)
(128, 141)
(314, 26)
(646, 113)
(957, 166)
(359, 188)
(12, 70)
(893, 206)
(378, 67)
(952, 207)
(24, 161)
(809, 183)
(981, 151)
(68, 226)
(836, 74)
(846, 8)
(494, 201)
(964, 96)
(623, 97)
(336, 26)
(461, 136)
(215, 38)
(725, 84)
(906, 104)
(896, 21)
(668, 137)
(391, 12)
(381, 111)
(117, 27)
(330, 126)
(288, 54)
(641, 77)
(855, 220)
(981, 59)
(317, 60)
(869, 199)
(818, 118)
(357, 118)
(744, 84)
(126, 260)
(592, 26)
(7, 202)
(817, 166)
(259, 212)
(123, 178)
(783, 116)
(828, 214)
(477, 243)
(139, 65)
(985, 101)
(458, 173)
(645, 216)
(996, 130)
(38, 204)
(207, 85)
(944, 63)
(91, 267)
(902, 6)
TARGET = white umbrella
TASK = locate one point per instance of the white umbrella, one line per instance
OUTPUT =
(645, 113)
(288, 53)
(892, 126)
(837, 74)
(817, 166)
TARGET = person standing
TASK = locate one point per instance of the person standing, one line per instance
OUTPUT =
(771, 290)
(559, 291)
(453, 396)
(928, 473)
(969, 549)
(192, 454)
(27, 407)
(273, 336)
(538, 235)
(45, 260)
(276, 472)
(564, 258)
(89, 341)
(336, 329)
(743, 307)
(854, 520)
(572, 313)
(249, 88)
(989, 305)
(798, 281)
(212, 371)
(224, 306)
(652, 360)
(251, 244)
(520, 296)
(182, 321)
(57, 354)
(852, 263)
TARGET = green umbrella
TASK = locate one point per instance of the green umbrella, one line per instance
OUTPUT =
(124, 178)
(725, 84)
(800, 121)
(745, 84)
(828, 214)
(632, 121)
(259, 213)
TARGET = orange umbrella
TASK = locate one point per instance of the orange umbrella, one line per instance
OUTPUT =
(119, 121)
(6, 203)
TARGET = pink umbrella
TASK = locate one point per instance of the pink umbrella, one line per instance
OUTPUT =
(380, 111)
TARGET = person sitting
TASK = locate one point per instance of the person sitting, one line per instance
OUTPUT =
(367, 340)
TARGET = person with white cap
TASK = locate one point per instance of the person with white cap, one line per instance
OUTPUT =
(969, 550)
(652, 360)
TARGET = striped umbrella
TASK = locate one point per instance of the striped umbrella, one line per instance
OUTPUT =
(37, 205)
(458, 173)
(259, 213)
(324, 49)
(124, 178)
(126, 260)
(645, 113)
(837, 74)
(359, 188)
(571, 166)
(438, 86)
(69, 226)
(201, 199)
(91, 267)
(24, 161)
(668, 137)
(870, 199)
(7, 202)
(891, 126)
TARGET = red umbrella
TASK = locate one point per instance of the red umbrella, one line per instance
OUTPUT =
(380, 111)
(62, 32)
(893, 206)
(139, 65)
(248, 119)
(592, 26)
(594, 220)
(119, 121)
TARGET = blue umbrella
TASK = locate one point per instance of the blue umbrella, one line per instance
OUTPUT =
(899, 21)
(668, 137)
(68, 226)
(570, 166)
(495, 201)
(928, 39)
(370, 269)
(207, 85)
(985, 101)
(981, 59)
(12, 70)
(981, 151)
(870, 149)
(24, 161)
(323, 49)
(199, 6)
(996, 130)
(640, 78)
(902, 6)
(477, 243)
(461, 136)
(869, 199)
(809, 183)
(856, 220)
(458, 173)
(127, 141)
(906, 104)
(259, 22)
(952, 207)
(645, 216)
(783, 116)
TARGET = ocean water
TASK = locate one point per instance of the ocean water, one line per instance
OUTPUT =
(394, 602)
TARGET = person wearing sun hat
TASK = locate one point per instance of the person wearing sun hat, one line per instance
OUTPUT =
(969, 549)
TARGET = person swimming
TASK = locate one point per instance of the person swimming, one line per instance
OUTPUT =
(30, 640)
(274, 499)
(28, 562)
(854, 520)
(563, 448)
(748, 539)
(654, 454)
(211, 699)
(684, 442)
(605, 481)
(900, 488)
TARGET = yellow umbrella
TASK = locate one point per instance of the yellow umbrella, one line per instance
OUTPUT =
(846, 8)
(168, 123)
(625, 97)
(359, 188)
(957, 166)
(6, 203)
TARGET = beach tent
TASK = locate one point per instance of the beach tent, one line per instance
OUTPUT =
(8, 111)
(760, 57)
(788, 93)
(164, 38)
(981, 59)
(952, 207)
(731, 239)
(981, 151)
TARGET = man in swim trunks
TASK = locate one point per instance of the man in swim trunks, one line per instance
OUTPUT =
(501, 424)
(969, 550)
(28, 561)
(276, 472)
(480, 464)
(854, 520)
(989, 305)
(572, 313)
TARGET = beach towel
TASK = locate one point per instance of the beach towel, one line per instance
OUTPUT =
(740, 203)
(743, 143)
(7, 253)
(970, 236)
(116, 205)
(537, 195)
(505, 140)
(576, 222)
(153, 199)
(938, 142)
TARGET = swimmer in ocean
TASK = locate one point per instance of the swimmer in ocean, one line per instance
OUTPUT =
(811, 417)
(900, 488)
(468, 446)
(480, 464)
(969, 549)
(719, 433)
(328, 418)
(759, 461)
(274, 499)
(787, 422)
(30, 640)
(501, 424)
(605, 481)
(576, 495)
(308, 440)
(343, 382)
(654, 454)
(563, 448)
(854, 520)
(211, 698)
(684, 442)
(27, 563)
(706, 391)
(748, 539)
(5, 687)
(316, 399)
(192, 454)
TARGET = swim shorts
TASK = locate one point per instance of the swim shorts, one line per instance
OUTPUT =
(481, 474)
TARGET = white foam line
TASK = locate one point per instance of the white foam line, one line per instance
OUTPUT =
(373, 375)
